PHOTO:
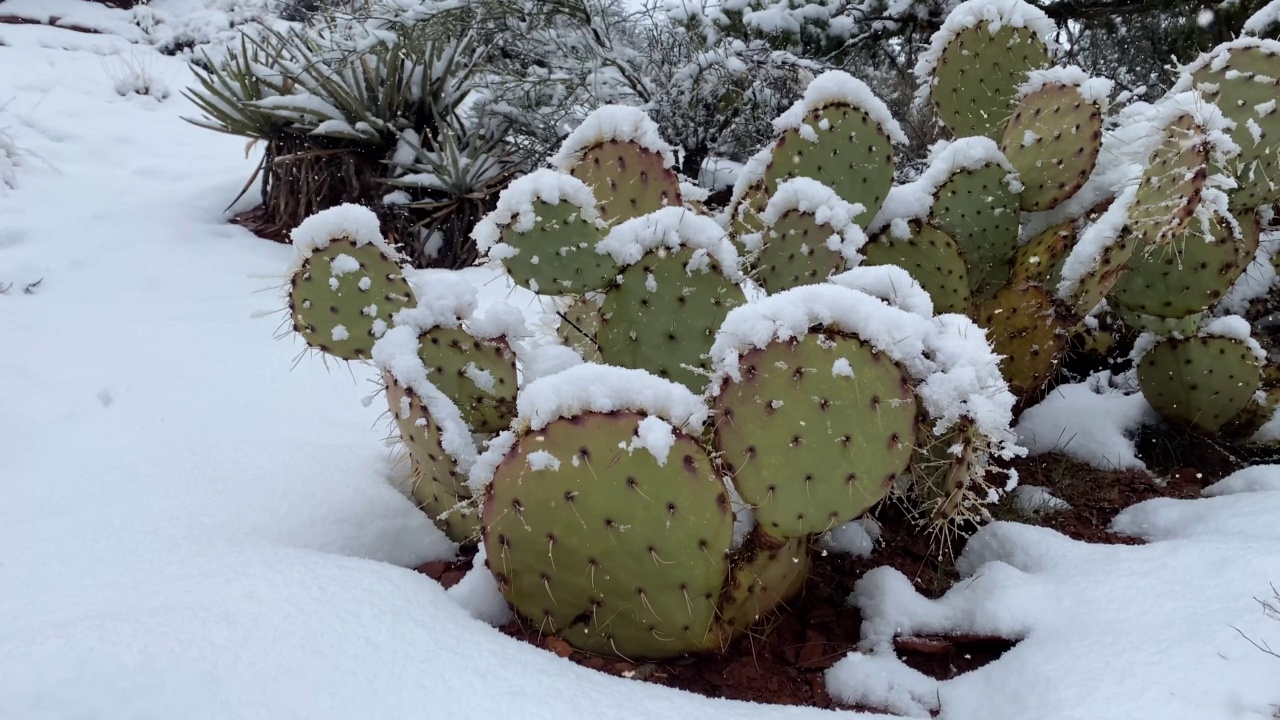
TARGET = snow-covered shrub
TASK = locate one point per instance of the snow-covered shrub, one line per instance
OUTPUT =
(345, 110)
(133, 74)
(8, 161)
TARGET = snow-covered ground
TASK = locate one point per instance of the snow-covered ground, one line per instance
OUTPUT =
(193, 527)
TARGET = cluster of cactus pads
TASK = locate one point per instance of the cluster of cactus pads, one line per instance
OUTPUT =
(647, 479)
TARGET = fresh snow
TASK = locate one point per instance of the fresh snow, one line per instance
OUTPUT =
(1094, 90)
(673, 228)
(201, 521)
(516, 207)
(1093, 422)
(612, 123)
(838, 87)
(808, 196)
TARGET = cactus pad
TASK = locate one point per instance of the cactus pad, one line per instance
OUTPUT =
(796, 252)
(1243, 79)
(557, 254)
(1200, 383)
(1186, 275)
(842, 147)
(579, 323)
(342, 298)
(1171, 186)
(1023, 326)
(479, 376)
(816, 431)
(628, 180)
(438, 486)
(943, 469)
(766, 574)
(978, 75)
(1053, 141)
(1040, 259)
(662, 316)
(932, 258)
(603, 546)
(980, 212)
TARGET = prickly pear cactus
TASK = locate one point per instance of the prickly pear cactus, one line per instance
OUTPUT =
(766, 574)
(479, 375)
(809, 236)
(977, 62)
(679, 282)
(347, 283)
(545, 230)
(978, 207)
(839, 134)
(1242, 78)
(1185, 276)
(610, 529)
(932, 258)
(618, 152)
(1202, 382)
(439, 485)
(1055, 135)
(1024, 326)
(1039, 261)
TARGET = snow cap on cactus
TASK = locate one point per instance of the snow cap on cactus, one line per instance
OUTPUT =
(356, 223)
(889, 283)
(396, 353)
(619, 123)
(1092, 89)
(827, 208)
(971, 13)
(1264, 19)
(914, 200)
(838, 87)
(958, 373)
(673, 228)
(516, 208)
(603, 388)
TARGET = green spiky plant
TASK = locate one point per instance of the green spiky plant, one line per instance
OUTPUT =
(347, 117)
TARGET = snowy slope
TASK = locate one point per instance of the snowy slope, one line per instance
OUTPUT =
(190, 528)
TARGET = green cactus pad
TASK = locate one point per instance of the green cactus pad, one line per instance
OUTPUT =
(744, 211)
(1243, 80)
(557, 255)
(1053, 141)
(1185, 276)
(606, 548)
(579, 324)
(978, 75)
(438, 486)
(342, 298)
(1171, 187)
(808, 446)
(479, 376)
(932, 258)
(979, 211)
(846, 150)
(669, 328)
(1024, 326)
(628, 180)
(795, 253)
(1040, 260)
(766, 574)
(1201, 383)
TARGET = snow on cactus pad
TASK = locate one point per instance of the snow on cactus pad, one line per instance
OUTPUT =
(1055, 135)
(1242, 78)
(839, 134)
(1202, 382)
(544, 230)
(680, 279)
(815, 431)
(946, 359)
(604, 519)
(345, 284)
(1190, 273)
(809, 235)
(979, 58)
(619, 153)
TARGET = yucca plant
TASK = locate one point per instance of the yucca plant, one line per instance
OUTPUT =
(345, 112)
